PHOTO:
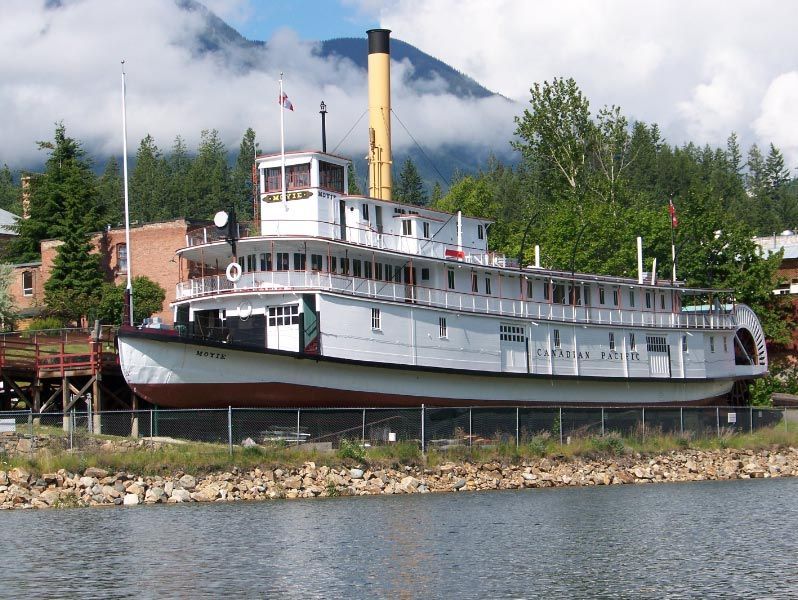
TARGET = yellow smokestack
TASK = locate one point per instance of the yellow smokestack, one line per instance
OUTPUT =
(379, 114)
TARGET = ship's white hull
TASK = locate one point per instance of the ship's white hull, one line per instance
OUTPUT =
(173, 372)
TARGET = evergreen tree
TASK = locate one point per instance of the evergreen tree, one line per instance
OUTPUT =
(8, 312)
(777, 176)
(10, 192)
(178, 184)
(409, 188)
(111, 194)
(242, 176)
(437, 194)
(210, 177)
(67, 175)
(354, 186)
(148, 198)
(71, 289)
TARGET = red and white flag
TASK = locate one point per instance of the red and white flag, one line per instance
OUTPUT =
(285, 102)
(672, 212)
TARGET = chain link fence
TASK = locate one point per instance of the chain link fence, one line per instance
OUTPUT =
(325, 429)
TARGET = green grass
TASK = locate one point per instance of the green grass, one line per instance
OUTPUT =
(204, 458)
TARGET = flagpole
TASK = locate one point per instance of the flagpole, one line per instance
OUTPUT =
(129, 286)
(672, 215)
(282, 138)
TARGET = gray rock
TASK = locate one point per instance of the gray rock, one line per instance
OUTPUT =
(459, 484)
(50, 497)
(95, 472)
(154, 495)
(179, 495)
(131, 500)
(356, 473)
(87, 482)
(188, 482)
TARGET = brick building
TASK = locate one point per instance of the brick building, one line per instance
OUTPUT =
(153, 255)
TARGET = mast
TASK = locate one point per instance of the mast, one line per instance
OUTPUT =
(129, 284)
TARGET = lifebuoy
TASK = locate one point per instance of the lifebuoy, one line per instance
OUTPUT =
(233, 272)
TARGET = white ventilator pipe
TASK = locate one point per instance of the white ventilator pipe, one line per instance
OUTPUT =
(639, 260)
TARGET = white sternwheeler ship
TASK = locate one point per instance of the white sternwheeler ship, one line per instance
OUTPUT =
(341, 300)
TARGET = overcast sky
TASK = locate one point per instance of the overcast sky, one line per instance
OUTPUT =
(700, 69)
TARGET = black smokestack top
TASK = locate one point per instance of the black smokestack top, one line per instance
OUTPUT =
(379, 41)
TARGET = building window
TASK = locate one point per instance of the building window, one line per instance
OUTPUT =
(365, 211)
(426, 229)
(375, 319)
(480, 232)
(282, 261)
(299, 261)
(712, 343)
(474, 282)
(121, 258)
(556, 338)
(632, 298)
(27, 283)
(632, 342)
(424, 274)
(612, 341)
(487, 286)
(407, 227)
(356, 268)
(315, 262)
(443, 332)
(601, 295)
(284, 315)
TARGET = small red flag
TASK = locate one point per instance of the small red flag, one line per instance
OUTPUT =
(672, 212)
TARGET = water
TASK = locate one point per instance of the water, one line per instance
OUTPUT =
(728, 539)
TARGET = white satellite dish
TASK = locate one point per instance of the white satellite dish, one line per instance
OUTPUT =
(220, 219)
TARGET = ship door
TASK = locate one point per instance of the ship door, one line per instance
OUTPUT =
(512, 344)
(282, 331)
(659, 356)
(342, 217)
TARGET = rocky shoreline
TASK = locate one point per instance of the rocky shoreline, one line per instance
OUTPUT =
(20, 489)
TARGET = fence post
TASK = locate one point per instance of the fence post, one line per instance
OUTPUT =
(230, 429)
(751, 419)
(363, 436)
(30, 429)
(470, 433)
(151, 426)
(785, 418)
(717, 419)
(89, 417)
(423, 443)
(602, 421)
(561, 426)
(516, 427)
(644, 423)
(681, 420)
(298, 411)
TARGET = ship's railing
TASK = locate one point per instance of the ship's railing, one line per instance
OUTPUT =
(463, 302)
(362, 234)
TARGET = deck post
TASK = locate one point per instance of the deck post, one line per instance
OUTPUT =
(717, 420)
(65, 402)
(37, 400)
(96, 399)
(134, 424)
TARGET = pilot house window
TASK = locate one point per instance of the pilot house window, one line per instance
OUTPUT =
(331, 177)
(296, 177)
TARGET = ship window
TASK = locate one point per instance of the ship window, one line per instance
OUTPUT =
(725, 346)
(511, 333)
(684, 343)
(656, 343)
(388, 272)
(378, 271)
(474, 282)
(648, 299)
(424, 274)
(367, 269)
(632, 342)
(632, 298)
(662, 301)
(712, 343)
(296, 176)
(121, 260)
(332, 264)
(487, 286)
(529, 289)
(450, 277)
(365, 211)
(299, 261)
(375, 319)
(27, 283)
(251, 262)
(559, 294)
(345, 266)
(575, 295)
(265, 261)
(331, 177)
(480, 232)
(357, 271)
(556, 338)
(315, 262)
(601, 295)
(407, 227)
(546, 290)
(397, 274)
(442, 330)
(282, 261)
(612, 341)
(586, 293)
(615, 297)
(284, 315)
(426, 229)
